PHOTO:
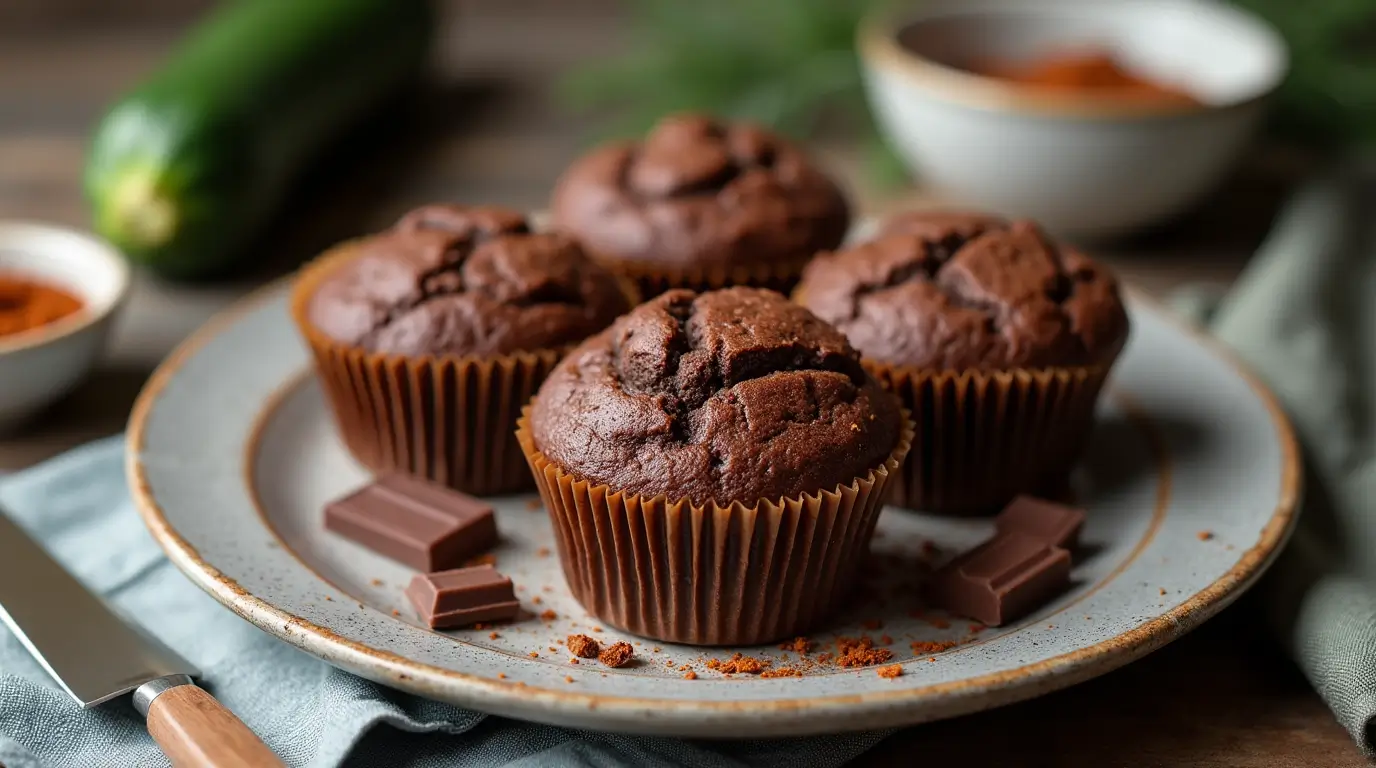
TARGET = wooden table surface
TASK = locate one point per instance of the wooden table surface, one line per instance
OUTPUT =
(490, 131)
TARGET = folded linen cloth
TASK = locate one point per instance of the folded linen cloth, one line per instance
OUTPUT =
(309, 712)
(1304, 317)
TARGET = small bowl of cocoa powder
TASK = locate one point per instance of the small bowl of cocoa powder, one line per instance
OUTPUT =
(59, 292)
(1094, 117)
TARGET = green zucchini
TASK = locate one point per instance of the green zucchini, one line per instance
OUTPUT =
(191, 165)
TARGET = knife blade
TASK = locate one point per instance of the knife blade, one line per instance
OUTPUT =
(97, 655)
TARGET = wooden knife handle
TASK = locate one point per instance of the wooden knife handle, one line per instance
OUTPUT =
(196, 731)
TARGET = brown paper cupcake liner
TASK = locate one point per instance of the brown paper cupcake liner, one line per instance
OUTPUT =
(710, 575)
(650, 281)
(982, 438)
(451, 420)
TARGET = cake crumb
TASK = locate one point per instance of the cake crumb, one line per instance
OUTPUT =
(738, 664)
(1204, 535)
(395, 612)
(377, 583)
(574, 660)
(932, 646)
(533, 655)
(485, 559)
(800, 645)
(542, 552)
(782, 672)
(552, 649)
(548, 615)
(860, 652)
(854, 427)
(568, 679)
(690, 675)
(329, 599)
(1162, 590)
(482, 625)
(890, 672)
(656, 649)
(584, 646)
(618, 655)
(931, 658)
(501, 675)
(537, 600)
(492, 635)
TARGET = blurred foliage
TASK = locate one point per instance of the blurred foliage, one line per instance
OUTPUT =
(1330, 97)
(791, 64)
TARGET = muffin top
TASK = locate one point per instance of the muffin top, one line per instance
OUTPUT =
(732, 395)
(957, 291)
(452, 280)
(698, 192)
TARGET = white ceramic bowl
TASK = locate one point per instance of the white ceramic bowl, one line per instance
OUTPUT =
(1080, 166)
(41, 365)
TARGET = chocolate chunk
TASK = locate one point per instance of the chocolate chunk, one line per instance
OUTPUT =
(463, 596)
(423, 525)
(1002, 579)
(1056, 524)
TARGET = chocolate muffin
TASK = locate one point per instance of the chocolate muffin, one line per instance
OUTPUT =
(430, 337)
(701, 204)
(997, 338)
(704, 433)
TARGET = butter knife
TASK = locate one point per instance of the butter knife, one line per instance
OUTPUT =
(96, 656)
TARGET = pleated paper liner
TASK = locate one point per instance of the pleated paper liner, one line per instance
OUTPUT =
(651, 281)
(984, 437)
(448, 419)
(711, 575)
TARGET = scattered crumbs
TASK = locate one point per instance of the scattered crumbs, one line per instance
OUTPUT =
(885, 640)
(669, 662)
(536, 600)
(860, 652)
(584, 646)
(329, 599)
(552, 649)
(890, 672)
(395, 612)
(485, 559)
(932, 646)
(558, 642)
(975, 629)
(682, 667)
(533, 504)
(656, 649)
(854, 427)
(1204, 535)
(574, 660)
(377, 583)
(782, 672)
(738, 664)
(533, 655)
(482, 625)
(617, 655)
(824, 657)
(568, 679)
(542, 552)
(800, 645)
(1088, 619)
(501, 675)
(637, 643)
(690, 675)
(1050, 626)
(931, 658)
(871, 624)
(548, 615)
(492, 636)
(1161, 590)
(597, 629)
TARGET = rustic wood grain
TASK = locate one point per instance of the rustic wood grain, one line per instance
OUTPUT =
(490, 130)
(196, 731)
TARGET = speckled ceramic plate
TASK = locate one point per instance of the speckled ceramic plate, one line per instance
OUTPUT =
(1190, 484)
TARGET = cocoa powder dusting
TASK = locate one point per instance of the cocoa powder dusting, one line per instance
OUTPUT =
(800, 645)
(738, 664)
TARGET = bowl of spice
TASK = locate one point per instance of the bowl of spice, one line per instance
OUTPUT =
(1095, 117)
(59, 293)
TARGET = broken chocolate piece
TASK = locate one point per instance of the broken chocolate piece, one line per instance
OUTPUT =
(424, 525)
(1002, 579)
(1056, 524)
(463, 596)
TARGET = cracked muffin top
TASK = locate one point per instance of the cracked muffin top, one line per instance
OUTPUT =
(697, 192)
(731, 395)
(453, 280)
(956, 291)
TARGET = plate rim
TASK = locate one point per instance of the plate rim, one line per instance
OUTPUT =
(626, 713)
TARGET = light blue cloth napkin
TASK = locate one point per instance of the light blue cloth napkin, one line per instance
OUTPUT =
(310, 713)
